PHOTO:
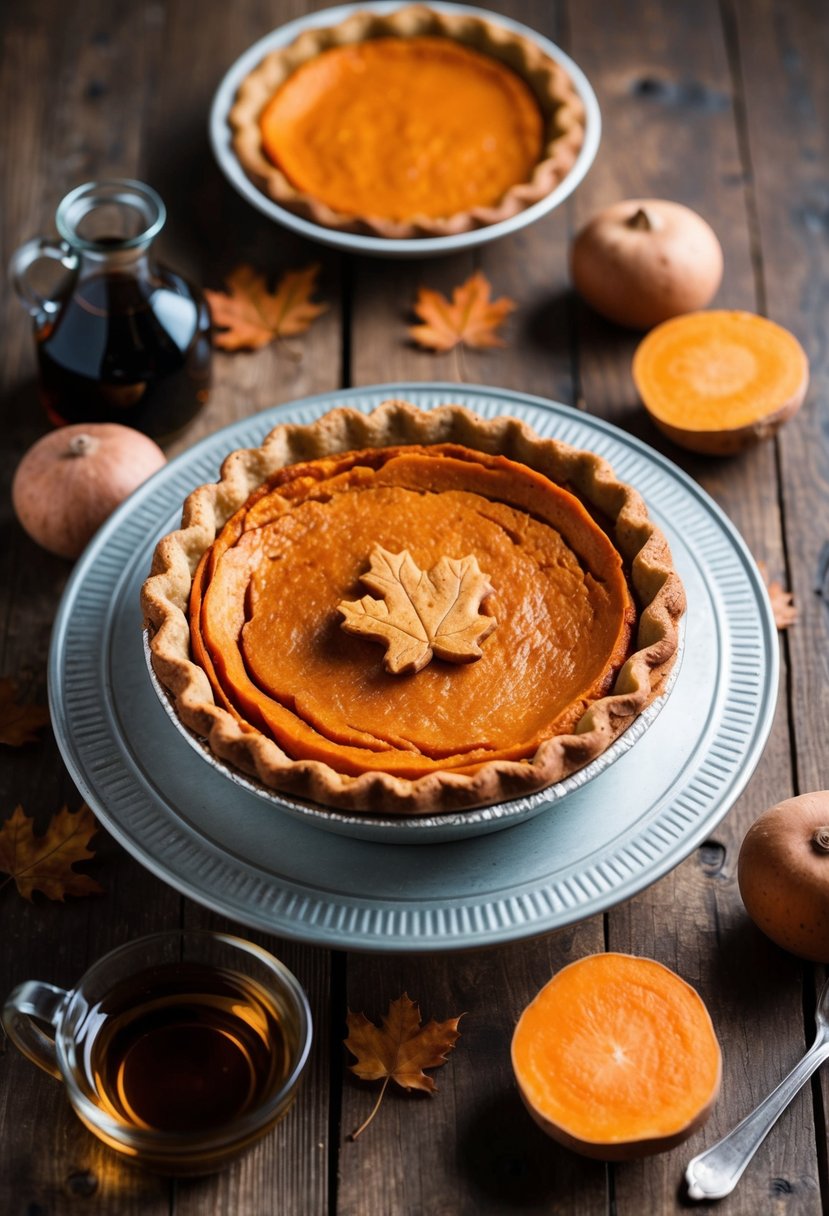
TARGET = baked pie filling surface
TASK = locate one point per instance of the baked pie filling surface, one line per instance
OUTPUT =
(267, 628)
(398, 127)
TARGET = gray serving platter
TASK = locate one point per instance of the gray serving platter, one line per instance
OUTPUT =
(422, 247)
(240, 854)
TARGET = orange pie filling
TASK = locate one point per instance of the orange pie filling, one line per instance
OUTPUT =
(403, 127)
(267, 630)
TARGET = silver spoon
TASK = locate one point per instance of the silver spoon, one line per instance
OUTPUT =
(715, 1173)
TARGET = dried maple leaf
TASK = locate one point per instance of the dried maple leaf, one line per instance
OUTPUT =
(44, 863)
(471, 317)
(783, 607)
(250, 316)
(399, 1049)
(18, 723)
(422, 613)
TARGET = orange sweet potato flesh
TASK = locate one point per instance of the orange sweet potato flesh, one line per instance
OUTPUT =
(717, 381)
(617, 1058)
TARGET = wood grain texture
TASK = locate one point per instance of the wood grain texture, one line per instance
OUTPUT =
(669, 91)
(470, 1148)
(723, 106)
(211, 229)
(48, 1159)
(786, 95)
(787, 103)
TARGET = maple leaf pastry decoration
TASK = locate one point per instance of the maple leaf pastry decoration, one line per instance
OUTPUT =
(422, 613)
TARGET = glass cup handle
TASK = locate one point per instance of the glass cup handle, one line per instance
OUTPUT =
(34, 251)
(35, 1000)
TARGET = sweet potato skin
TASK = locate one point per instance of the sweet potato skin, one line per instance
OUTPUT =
(732, 442)
(783, 875)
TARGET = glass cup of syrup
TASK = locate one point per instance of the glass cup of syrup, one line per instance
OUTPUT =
(178, 1050)
(119, 337)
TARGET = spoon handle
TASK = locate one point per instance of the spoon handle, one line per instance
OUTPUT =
(715, 1173)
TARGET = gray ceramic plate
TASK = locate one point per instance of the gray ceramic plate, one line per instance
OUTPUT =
(232, 850)
(220, 138)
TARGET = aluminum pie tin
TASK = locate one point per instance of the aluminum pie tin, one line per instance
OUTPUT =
(420, 829)
(221, 141)
(243, 856)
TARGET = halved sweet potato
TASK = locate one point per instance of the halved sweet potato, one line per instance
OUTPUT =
(716, 382)
(616, 1057)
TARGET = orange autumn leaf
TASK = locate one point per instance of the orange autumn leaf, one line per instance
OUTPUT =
(399, 1049)
(249, 316)
(470, 317)
(19, 723)
(783, 606)
(44, 863)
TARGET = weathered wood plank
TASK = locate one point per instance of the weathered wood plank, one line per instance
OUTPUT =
(783, 52)
(672, 130)
(48, 1159)
(787, 105)
(470, 1148)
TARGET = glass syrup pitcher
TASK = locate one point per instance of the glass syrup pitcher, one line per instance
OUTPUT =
(121, 338)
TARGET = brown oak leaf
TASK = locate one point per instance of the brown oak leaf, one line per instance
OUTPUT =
(399, 1049)
(421, 613)
(783, 606)
(18, 723)
(44, 863)
(470, 317)
(250, 316)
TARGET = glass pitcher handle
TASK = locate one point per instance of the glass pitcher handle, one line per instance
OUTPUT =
(34, 251)
(35, 1000)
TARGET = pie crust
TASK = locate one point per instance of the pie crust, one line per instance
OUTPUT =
(633, 654)
(560, 110)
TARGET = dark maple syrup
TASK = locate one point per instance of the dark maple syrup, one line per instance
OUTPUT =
(126, 348)
(120, 337)
(183, 1048)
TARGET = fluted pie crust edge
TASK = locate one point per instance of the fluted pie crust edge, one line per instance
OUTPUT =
(656, 586)
(561, 107)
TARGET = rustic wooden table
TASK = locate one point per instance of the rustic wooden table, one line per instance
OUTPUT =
(722, 104)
